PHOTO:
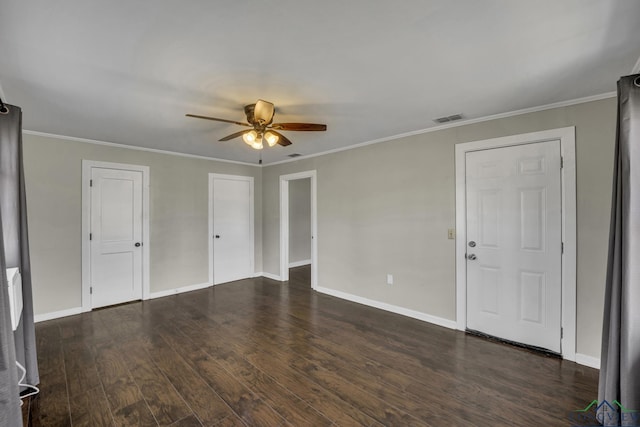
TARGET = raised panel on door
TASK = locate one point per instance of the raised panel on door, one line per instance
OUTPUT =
(532, 297)
(532, 219)
(514, 224)
(232, 229)
(116, 227)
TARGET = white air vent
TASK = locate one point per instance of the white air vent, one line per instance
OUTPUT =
(15, 296)
(446, 119)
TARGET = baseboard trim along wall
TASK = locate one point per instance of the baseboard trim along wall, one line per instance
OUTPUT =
(180, 290)
(271, 276)
(581, 359)
(299, 263)
(57, 314)
(451, 324)
(590, 361)
(78, 310)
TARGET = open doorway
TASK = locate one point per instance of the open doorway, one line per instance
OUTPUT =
(300, 231)
(298, 242)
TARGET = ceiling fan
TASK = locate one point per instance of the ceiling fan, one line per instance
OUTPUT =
(260, 118)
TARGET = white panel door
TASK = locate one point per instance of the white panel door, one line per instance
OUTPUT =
(232, 229)
(116, 236)
(514, 237)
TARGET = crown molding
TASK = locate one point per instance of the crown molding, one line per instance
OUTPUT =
(560, 104)
(133, 147)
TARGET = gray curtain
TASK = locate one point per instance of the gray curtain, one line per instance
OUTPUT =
(9, 401)
(620, 358)
(13, 220)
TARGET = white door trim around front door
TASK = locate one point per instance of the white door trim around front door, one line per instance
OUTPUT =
(566, 136)
(87, 165)
(249, 179)
(284, 224)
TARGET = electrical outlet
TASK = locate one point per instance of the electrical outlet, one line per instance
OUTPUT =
(389, 279)
(451, 233)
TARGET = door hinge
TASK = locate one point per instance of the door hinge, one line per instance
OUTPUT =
(91, 290)
(90, 236)
(561, 162)
(562, 247)
(561, 332)
(90, 183)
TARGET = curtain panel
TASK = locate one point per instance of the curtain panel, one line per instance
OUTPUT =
(15, 253)
(620, 358)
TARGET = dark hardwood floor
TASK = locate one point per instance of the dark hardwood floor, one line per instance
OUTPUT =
(258, 352)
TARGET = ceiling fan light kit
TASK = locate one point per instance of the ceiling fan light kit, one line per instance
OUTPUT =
(272, 138)
(260, 118)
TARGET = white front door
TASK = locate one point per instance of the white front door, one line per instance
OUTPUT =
(116, 236)
(514, 237)
(232, 228)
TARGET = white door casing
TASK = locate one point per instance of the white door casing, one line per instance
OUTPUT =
(231, 236)
(566, 138)
(114, 226)
(514, 243)
(284, 224)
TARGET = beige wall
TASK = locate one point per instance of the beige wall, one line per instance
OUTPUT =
(385, 208)
(299, 220)
(178, 216)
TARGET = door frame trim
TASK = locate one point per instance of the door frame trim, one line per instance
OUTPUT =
(284, 224)
(567, 139)
(250, 180)
(87, 165)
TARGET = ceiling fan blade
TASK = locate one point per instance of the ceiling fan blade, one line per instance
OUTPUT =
(263, 112)
(218, 120)
(234, 135)
(282, 140)
(299, 126)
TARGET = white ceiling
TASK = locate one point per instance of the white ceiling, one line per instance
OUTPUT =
(128, 71)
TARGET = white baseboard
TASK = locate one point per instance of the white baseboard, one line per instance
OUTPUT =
(299, 263)
(270, 276)
(180, 290)
(57, 314)
(590, 361)
(451, 324)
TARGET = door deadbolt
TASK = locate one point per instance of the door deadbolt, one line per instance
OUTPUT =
(138, 244)
(217, 236)
(472, 244)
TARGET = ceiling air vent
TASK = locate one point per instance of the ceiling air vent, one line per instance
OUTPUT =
(446, 119)
(295, 155)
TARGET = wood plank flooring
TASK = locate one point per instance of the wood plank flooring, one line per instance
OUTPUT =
(258, 352)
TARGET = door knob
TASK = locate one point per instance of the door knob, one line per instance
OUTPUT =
(217, 236)
(472, 257)
(138, 244)
(472, 244)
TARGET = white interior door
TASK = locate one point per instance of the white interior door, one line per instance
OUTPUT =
(514, 237)
(232, 228)
(116, 236)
